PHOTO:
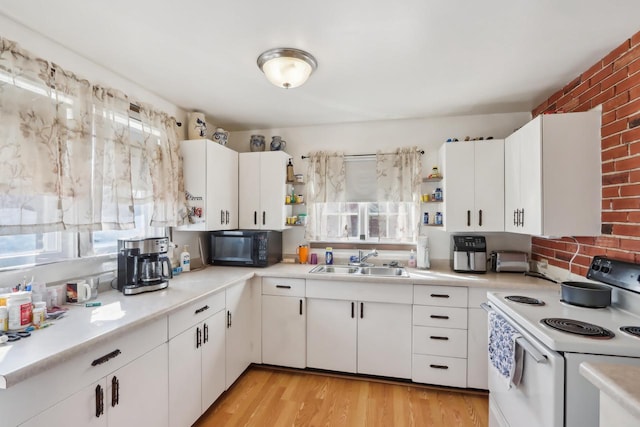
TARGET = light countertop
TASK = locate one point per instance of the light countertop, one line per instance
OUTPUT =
(620, 382)
(83, 327)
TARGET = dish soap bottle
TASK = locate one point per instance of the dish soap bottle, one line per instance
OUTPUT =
(185, 259)
(412, 259)
(290, 177)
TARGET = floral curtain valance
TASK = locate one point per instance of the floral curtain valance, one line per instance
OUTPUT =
(73, 158)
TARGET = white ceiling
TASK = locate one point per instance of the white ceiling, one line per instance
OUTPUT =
(377, 59)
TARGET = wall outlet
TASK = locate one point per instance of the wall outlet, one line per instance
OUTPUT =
(543, 264)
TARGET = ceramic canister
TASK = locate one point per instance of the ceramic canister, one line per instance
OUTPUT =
(196, 125)
(256, 143)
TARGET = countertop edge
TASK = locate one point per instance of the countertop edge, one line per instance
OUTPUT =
(13, 378)
(441, 277)
(615, 381)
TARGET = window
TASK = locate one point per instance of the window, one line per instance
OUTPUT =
(39, 248)
(362, 218)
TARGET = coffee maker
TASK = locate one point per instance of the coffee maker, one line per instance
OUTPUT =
(143, 265)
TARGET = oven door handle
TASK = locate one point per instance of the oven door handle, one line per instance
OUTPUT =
(522, 342)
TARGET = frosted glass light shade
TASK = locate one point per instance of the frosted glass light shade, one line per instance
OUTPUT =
(287, 67)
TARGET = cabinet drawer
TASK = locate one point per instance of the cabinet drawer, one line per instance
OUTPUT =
(448, 371)
(283, 287)
(195, 313)
(442, 317)
(440, 341)
(442, 296)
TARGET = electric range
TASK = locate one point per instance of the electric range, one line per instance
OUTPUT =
(552, 392)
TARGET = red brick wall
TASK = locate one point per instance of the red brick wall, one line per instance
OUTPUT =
(613, 82)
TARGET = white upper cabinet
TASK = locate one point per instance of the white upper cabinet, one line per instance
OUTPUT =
(262, 182)
(211, 183)
(553, 176)
(473, 185)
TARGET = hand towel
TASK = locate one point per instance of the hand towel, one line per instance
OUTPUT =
(505, 354)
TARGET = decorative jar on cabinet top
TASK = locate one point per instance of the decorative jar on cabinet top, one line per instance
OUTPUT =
(196, 125)
(256, 143)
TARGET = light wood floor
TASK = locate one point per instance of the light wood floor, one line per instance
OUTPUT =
(265, 397)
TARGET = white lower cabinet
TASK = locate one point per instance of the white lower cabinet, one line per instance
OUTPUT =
(196, 359)
(359, 327)
(240, 329)
(384, 339)
(331, 335)
(284, 322)
(135, 394)
(440, 335)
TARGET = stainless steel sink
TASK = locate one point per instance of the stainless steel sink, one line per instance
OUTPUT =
(384, 271)
(365, 271)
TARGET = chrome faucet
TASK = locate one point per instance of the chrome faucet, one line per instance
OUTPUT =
(363, 258)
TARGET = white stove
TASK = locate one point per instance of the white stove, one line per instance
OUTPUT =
(612, 318)
(552, 391)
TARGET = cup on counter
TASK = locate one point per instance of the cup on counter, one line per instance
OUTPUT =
(79, 291)
(314, 259)
(93, 284)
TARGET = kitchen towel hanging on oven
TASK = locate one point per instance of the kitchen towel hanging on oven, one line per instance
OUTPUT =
(506, 356)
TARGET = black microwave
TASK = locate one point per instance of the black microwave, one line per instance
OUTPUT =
(245, 248)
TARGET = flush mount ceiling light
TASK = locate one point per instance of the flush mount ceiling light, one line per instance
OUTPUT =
(287, 67)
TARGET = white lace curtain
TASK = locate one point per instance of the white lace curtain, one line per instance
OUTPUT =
(71, 156)
(398, 181)
(326, 175)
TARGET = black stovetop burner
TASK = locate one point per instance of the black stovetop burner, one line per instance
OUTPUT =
(577, 327)
(524, 300)
(631, 330)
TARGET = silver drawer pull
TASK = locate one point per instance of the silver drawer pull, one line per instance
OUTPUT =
(439, 338)
(437, 316)
(439, 366)
(283, 286)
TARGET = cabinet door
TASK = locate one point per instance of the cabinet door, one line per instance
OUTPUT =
(185, 374)
(284, 329)
(531, 177)
(273, 174)
(239, 331)
(488, 213)
(213, 358)
(458, 170)
(249, 190)
(477, 345)
(512, 181)
(78, 410)
(331, 335)
(137, 393)
(222, 187)
(194, 154)
(384, 339)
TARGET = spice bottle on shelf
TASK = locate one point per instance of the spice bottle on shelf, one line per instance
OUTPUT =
(425, 218)
(438, 218)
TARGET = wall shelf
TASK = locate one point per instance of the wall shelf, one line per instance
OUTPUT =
(431, 179)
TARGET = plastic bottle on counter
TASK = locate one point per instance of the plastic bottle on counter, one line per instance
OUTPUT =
(20, 310)
(4, 319)
(412, 259)
(328, 256)
(185, 259)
